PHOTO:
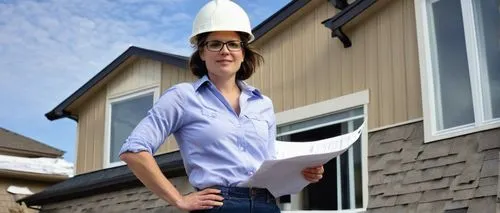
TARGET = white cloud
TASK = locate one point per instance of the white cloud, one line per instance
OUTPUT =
(59, 40)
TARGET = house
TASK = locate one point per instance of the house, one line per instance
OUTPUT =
(422, 74)
(18, 176)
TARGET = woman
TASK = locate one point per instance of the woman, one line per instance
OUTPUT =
(225, 128)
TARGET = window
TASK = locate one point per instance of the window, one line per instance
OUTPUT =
(344, 186)
(124, 113)
(459, 45)
(463, 210)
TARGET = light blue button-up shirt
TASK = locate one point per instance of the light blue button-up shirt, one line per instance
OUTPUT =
(218, 146)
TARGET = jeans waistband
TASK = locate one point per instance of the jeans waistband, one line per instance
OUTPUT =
(243, 192)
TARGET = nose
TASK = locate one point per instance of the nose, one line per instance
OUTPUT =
(224, 49)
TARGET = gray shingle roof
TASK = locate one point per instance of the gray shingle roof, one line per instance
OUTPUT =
(11, 141)
(102, 181)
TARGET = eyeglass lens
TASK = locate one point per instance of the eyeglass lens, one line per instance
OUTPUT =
(218, 45)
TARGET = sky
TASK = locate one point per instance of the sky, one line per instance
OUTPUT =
(50, 48)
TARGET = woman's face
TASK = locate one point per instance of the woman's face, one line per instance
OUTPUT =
(223, 62)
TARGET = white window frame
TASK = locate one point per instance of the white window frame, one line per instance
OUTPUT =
(358, 99)
(427, 78)
(109, 101)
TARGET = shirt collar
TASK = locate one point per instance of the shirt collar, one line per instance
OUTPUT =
(241, 84)
(203, 80)
(249, 89)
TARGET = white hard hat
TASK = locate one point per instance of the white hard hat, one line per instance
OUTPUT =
(221, 15)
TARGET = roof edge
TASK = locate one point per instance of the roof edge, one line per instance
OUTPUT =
(278, 17)
(101, 181)
(60, 110)
(27, 153)
(56, 150)
(33, 176)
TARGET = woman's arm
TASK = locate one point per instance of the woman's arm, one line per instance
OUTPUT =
(144, 166)
(166, 117)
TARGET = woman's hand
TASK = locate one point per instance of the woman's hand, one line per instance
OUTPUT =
(313, 174)
(205, 199)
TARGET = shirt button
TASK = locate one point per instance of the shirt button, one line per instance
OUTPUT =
(250, 173)
(242, 149)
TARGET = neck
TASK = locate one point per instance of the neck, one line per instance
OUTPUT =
(224, 84)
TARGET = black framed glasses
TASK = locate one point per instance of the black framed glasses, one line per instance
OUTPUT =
(216, 46)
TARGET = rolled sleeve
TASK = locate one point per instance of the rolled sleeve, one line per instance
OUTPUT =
(164, 118)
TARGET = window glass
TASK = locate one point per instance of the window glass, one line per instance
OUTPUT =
(125, 115)
(487, 14)
(453, 96)
(358, 184)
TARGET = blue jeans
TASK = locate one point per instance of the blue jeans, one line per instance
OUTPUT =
(244, 200)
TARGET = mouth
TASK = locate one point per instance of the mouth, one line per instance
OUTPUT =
(224, 61)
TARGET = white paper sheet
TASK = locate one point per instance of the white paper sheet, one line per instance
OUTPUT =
(284, 175)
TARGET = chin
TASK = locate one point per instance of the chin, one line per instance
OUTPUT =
(226, 72)
(221, 73)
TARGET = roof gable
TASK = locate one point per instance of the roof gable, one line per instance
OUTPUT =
(60, 110)
(13, 142)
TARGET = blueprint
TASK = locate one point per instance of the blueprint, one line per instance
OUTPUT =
(284, 175)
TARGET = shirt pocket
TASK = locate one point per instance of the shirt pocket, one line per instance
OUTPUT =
(260, 124)
(209, 113)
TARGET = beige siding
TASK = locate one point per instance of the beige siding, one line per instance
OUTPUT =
(143, 73)
(304, 65)
(414, 103)
(171, 75)
(140, 74)
(91, 128)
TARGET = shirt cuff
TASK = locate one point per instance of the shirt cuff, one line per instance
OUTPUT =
(134, 146)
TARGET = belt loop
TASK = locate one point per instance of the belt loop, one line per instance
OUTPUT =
(223, 190)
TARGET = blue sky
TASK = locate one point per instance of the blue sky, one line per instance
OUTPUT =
(49, 48)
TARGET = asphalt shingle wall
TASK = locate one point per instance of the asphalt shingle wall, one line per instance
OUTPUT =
(454, 175)
(133, 200)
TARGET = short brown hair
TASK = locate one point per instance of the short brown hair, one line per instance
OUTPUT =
(250, 63)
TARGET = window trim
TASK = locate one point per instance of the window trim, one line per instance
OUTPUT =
(327, 107)
(155, 89)
(427, 78)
